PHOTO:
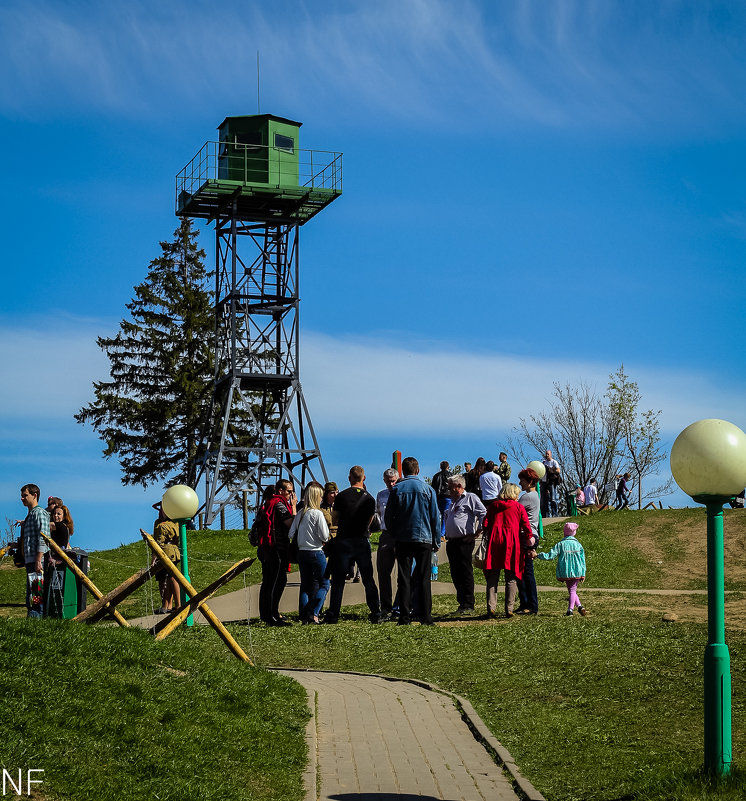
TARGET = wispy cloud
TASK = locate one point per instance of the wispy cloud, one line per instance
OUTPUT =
(48, 369)
(567, 64)
(368, 386)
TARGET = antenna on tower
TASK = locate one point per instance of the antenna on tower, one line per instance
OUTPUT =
(258, 109)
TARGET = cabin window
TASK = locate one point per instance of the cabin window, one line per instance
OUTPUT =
(284, 143)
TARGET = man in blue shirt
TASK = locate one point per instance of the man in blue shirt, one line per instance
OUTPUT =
(413, 520)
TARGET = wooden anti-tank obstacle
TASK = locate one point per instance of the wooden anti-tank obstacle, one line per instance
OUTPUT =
(105, 605)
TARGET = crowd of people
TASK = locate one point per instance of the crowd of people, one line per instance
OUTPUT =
(31, 550)
(328, 532)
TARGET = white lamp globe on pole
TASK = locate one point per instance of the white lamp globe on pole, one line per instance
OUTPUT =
(708, 462)
(181, 503)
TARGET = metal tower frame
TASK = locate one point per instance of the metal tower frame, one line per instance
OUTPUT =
(260, 425)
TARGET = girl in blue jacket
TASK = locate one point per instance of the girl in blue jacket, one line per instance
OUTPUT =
(570, 566)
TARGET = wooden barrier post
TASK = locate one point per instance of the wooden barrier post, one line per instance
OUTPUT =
(172, 621)
(90, 586)
(212, 619)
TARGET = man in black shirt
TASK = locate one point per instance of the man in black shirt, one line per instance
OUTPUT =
(353, 510)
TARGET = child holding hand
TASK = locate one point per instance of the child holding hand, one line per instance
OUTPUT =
(570, 566)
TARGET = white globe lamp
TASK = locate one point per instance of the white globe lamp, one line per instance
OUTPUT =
(180, 502)
(708, 462)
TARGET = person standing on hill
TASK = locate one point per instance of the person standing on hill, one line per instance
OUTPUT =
(490, 484)
(440, 485)
(503, 468)
(386, 555)
(35, 524)
(413, 519)
(591, 493)
(353, 511)
(527, 594)
(570, 566)
(549, 486)
(273, 551)
(463, 520)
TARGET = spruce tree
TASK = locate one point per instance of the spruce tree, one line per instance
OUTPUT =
(152, 412)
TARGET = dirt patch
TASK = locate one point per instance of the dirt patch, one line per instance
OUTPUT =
(688, 538)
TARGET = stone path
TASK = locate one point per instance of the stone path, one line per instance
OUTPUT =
(375, 739)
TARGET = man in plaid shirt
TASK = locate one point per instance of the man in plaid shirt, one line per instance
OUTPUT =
(34, 546)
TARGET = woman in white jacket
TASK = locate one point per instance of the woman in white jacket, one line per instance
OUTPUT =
(312, 531)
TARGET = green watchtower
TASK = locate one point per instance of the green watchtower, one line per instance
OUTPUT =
(258, 163)
(259, 187)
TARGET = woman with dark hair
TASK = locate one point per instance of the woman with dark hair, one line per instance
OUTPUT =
(508, 528)
(623, 492)
(61, 526)
(529, 598)
(472, 477)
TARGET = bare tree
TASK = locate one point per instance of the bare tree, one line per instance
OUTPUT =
(639, 434)
(582, 431)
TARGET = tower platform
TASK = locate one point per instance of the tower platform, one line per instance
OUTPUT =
(216, 177)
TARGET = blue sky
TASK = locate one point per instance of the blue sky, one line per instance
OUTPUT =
(534, 192)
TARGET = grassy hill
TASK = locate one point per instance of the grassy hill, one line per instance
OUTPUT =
(603, 708)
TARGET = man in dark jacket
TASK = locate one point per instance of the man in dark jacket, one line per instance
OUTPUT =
(273, 553)
(413, 520)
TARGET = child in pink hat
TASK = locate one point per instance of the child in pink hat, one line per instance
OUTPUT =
(570, 566)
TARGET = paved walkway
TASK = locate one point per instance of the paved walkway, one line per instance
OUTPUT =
(377, 739)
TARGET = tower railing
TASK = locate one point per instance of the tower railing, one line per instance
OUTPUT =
(261, 165)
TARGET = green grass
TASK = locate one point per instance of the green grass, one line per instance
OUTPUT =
(607, 708)
(599, 709)
(110, 714)
(211, 553)
(614, 557)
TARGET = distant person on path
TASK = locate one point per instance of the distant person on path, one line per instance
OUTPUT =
(273, 551)
(462, 523)
(385, 556)
(413, 519)
(310, 528)
(34, 525)
(591, 493)
(527, 594)
(490, 484)
(353, 510)
(440, 485)
(549, 486)
(503, 468)
(623, 491)
(507, 526)
(570, 566)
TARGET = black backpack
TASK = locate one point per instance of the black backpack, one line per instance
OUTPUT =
(261, 529)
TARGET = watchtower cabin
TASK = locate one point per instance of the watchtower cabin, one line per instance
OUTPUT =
(257, 161)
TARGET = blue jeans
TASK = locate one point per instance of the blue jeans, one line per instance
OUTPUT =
(313, 585)
(444, 504)
(549, 502)
(345, 551)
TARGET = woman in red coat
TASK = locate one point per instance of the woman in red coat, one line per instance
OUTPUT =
(506, 524)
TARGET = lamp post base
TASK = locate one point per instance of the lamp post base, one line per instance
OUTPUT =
(718, 748)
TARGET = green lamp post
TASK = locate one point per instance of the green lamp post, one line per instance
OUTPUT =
(708, 462)
(540, 470)
(180, 503)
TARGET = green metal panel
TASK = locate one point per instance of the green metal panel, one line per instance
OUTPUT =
(249, 151)
(283, 153)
